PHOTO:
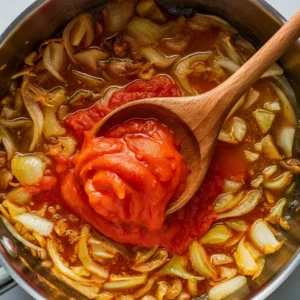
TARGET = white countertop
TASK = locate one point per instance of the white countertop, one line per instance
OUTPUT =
(9, 9)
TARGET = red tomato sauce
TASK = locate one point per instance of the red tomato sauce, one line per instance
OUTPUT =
(106, 213)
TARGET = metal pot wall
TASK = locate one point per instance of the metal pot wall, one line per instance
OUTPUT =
(254, 18)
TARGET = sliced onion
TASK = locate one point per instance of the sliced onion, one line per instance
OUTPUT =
(201, 22)
(159, 259)
(150, 33)
(237, 225)
(276, 212)
(285, 139)
(200, 261)
(36, 223)
(55, 60)
(292, 165)
(244, 259)
(218, 234)
(81, 271)
(269, 171)
(251, 98)
(260, 264)
(269, 149)
(227, 273)
(251, 156)
(16, 123)
(177, 44)
(88, 290)
(256, 183)
(286, 105)
(274, 70)
(14, 232)
(144, 255)
(230, 186)
(161, 290)
(8, 142)
(105, 296)
(85, 258)
(120, 283)
(116, 14)
(148, 8)
(100, 252)
(177, 266)
(89, 80)
(227, 288)
(28, 169)
(192, 287)
(59, 264)
(236, 107)
(273, 106)
(84, 29)
(227, 64)
(280, 182)
(51, 126)
(174, 290)
(264, 119)
(89, 58)
(263, 238)
(66, 39)
(14, 210)
(247, 205)
(157, 58)
(233, 131)
(221, 259)
(19, 195)
(184, 68)
(145, 289)
(228, 201)
(35, 113)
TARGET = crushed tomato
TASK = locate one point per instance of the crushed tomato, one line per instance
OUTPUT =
(178, 229)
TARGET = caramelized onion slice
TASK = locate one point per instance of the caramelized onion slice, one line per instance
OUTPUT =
(88, 290)
(85, 258)
(185, 67)
(285, 140)
(89, 58)
(264, 119)
(286, 105)
(263, 238)
(237, 225)
(158, 260)
(116, 14)
(177, 266)
(221, 259)
(228, 201)
(59, 264)
(120, 283)
(276, 212)
(19, 195)
(269, 149)
(230, 186)
(248, 204)
(218, 234)
(158, 59)
(233, 131)
(36, 223)
(227, 288)
(7, 139)
(244, 259)
(55, 60)
(34, 112)
(251, 156)
(280, 182)
(292, 165)
(28, 169)
(144, 255)
(200, 261)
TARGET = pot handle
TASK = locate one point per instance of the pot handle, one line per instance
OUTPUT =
(6, 282)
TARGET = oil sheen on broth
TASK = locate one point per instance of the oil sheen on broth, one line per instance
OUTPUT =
(92, 209)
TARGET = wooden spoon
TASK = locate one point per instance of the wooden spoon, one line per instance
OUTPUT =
(196, 121)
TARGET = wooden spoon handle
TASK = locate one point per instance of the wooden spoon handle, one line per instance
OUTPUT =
(238, 84)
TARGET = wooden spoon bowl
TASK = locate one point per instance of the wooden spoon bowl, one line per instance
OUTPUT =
(197, 121)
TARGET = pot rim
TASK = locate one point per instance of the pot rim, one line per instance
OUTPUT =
(266, 290)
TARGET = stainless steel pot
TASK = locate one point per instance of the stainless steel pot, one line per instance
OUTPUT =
(43, 19)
